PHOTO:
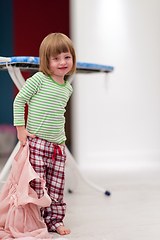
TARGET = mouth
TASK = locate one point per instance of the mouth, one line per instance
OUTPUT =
(63, 68)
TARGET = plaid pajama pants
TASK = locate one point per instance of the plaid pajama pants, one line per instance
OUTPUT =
(48, 160)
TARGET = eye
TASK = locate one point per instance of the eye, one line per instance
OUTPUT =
(68, 57)
(54, 58)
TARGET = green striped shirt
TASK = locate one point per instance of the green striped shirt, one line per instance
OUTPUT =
(46, 107)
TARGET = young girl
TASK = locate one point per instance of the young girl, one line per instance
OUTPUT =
(47, 94)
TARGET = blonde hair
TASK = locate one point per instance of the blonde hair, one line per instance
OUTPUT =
(52, 45)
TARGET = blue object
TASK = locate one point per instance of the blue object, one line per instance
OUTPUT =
(70, 191)
(93, 66)
(29, 63)
(107, 193)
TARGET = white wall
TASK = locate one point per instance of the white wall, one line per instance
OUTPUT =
(116, 116)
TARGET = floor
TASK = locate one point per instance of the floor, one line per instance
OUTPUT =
(131, 212)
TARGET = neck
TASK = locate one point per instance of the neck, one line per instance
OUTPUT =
(58, 79)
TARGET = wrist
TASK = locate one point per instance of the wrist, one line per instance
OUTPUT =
(20, 127)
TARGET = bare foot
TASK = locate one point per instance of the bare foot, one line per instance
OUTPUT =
(62, 230)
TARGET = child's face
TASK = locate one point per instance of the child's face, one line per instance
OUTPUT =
(61, 64)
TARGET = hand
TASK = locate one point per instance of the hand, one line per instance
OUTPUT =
(22, 135)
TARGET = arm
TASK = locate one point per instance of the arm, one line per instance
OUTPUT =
(24, 96)
(21, 99)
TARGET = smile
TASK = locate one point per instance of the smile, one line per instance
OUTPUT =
(63, 68)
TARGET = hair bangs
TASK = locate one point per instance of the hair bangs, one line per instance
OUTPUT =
(59, 47)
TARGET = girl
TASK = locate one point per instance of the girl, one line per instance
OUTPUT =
(47, 94)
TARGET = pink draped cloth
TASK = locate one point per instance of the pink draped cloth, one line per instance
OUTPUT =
(19, 203)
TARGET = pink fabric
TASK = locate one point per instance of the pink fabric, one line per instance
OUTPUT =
(19, 211)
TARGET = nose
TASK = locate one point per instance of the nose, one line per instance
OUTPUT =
(63, 61)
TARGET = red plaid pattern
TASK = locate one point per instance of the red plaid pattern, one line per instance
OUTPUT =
(48, 160)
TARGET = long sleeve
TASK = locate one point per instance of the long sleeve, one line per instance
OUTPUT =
(29, 89)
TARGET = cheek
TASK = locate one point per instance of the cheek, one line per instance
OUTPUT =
(71, 63)
(51, 66)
